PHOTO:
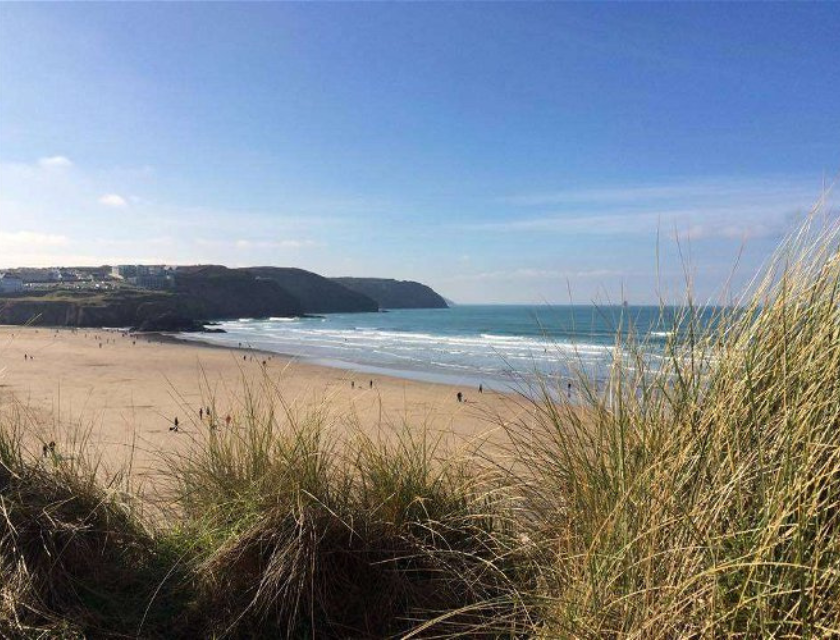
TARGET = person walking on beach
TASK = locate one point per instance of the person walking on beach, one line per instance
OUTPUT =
(201, 413)
(460, 396)
(227, 420)
(175, 425)
(481, 388)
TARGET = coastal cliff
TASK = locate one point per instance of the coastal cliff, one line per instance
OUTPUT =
(395, 294)
(315, 293)
(235, 293)
(203, 293)
(128, 308)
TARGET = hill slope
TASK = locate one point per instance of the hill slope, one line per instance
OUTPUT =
(316, 293)
(395, 294)
(201, 293)
(234, 293)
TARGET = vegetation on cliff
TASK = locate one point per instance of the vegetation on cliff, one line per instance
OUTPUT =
(200, 294)
(204, 293)
(316, 294)
(120, 308)
(395, 294)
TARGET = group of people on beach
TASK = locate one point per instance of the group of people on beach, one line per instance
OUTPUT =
(202, 412)
(462, 398)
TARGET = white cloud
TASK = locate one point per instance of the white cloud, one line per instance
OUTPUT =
(55, 162)
(31, 248)
(24, 239)
(535, 274)
(113, 200)
(274, 244)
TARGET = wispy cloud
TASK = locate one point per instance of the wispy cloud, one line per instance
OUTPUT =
(745, 223)
(243, 244)
(702, 209)
(714, 189)
(113, 200)
(32, 248)
(274, 244)
(534, 274)
(20, 240)
(55, 162)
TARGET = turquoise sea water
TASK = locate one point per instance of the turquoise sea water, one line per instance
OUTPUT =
(494, 345)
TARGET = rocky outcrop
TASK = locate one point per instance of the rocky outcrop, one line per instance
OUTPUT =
(316, 294)
(395, 294)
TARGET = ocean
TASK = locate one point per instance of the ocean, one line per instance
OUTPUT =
(499, 346)
(494, 345)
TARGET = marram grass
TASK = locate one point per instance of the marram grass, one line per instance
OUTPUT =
(696, 496)
(701, 498)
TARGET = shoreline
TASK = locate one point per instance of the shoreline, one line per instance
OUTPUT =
(410, 375)
(126, 393)
(505, 379)
(416, 375)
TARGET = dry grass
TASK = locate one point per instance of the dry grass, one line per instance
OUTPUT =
(75, 559)
(695, 496)
(297, 535)
(701, 498)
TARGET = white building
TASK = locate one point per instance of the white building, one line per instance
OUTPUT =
(10, 284)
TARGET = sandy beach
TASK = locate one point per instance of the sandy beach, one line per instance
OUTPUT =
(125, 391)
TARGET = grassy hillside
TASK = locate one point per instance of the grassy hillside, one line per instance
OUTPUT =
(200, 294)
(317, 294)
(395, 294)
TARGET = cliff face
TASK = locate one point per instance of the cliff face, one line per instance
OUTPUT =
(94, 309)
(201, 294)
(234, 293)
(395, 294)
(316, 294)
(204, 293)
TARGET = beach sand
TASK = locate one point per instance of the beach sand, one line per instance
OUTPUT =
(126, 393)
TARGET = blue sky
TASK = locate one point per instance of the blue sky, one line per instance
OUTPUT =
(498, 152)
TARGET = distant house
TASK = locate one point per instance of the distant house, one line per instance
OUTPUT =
(152, 281)
(124, 271)
(10, 283)
(154, 276)
(38, 276)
